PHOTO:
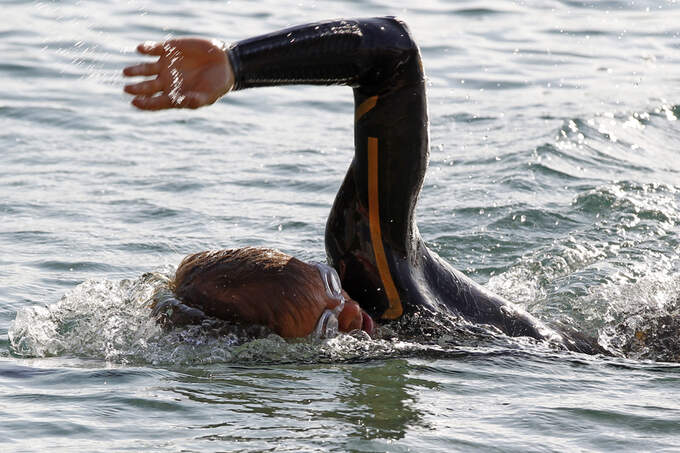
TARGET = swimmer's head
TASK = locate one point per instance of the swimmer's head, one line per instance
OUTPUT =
(266, 287)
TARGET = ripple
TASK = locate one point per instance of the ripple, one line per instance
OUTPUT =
(60, 266)
(57, 117)
(465, 12)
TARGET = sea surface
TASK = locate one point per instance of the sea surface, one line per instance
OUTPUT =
(554, 180)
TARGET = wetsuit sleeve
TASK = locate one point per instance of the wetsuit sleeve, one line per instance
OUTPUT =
(343, 52)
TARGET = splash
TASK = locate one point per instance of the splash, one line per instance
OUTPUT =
(644, 316)
(111, 321)
(99, 318)
(176, 78)
(633, 315)
(613, 278)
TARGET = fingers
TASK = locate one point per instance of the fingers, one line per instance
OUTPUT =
(151, 48)
(147, 87)
(163, 101)
(143, 69)
(153, 103)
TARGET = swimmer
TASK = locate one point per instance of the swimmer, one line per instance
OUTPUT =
(372, 240)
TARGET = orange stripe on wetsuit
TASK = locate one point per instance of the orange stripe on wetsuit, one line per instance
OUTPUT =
(395, 309)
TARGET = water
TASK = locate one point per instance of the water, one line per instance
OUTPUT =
(552, 180)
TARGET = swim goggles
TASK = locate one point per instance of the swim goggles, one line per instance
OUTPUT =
(327, 327)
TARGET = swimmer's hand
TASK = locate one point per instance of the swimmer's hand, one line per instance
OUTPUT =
(190, 73)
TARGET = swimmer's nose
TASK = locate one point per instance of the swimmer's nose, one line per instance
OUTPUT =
(368, 325)
(350, 317)
(353, 317)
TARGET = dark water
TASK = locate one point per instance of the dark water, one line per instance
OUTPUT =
(553, 180)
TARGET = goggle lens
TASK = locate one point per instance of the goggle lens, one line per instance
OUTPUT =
(327, 327)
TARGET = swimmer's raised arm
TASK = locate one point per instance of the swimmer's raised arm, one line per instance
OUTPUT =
(190, 73)
(193, 72)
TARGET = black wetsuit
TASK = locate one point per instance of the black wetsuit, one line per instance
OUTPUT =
(371, 235)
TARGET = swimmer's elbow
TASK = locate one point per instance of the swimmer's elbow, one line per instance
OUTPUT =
(397, 34)
(391, 54)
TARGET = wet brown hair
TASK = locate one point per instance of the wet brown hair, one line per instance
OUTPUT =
(253, 286)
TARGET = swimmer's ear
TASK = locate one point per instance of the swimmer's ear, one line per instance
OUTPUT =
(171, 312)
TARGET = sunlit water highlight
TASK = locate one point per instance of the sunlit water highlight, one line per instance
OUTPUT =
(553, 180)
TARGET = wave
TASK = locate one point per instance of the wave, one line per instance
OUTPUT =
(111, 321)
